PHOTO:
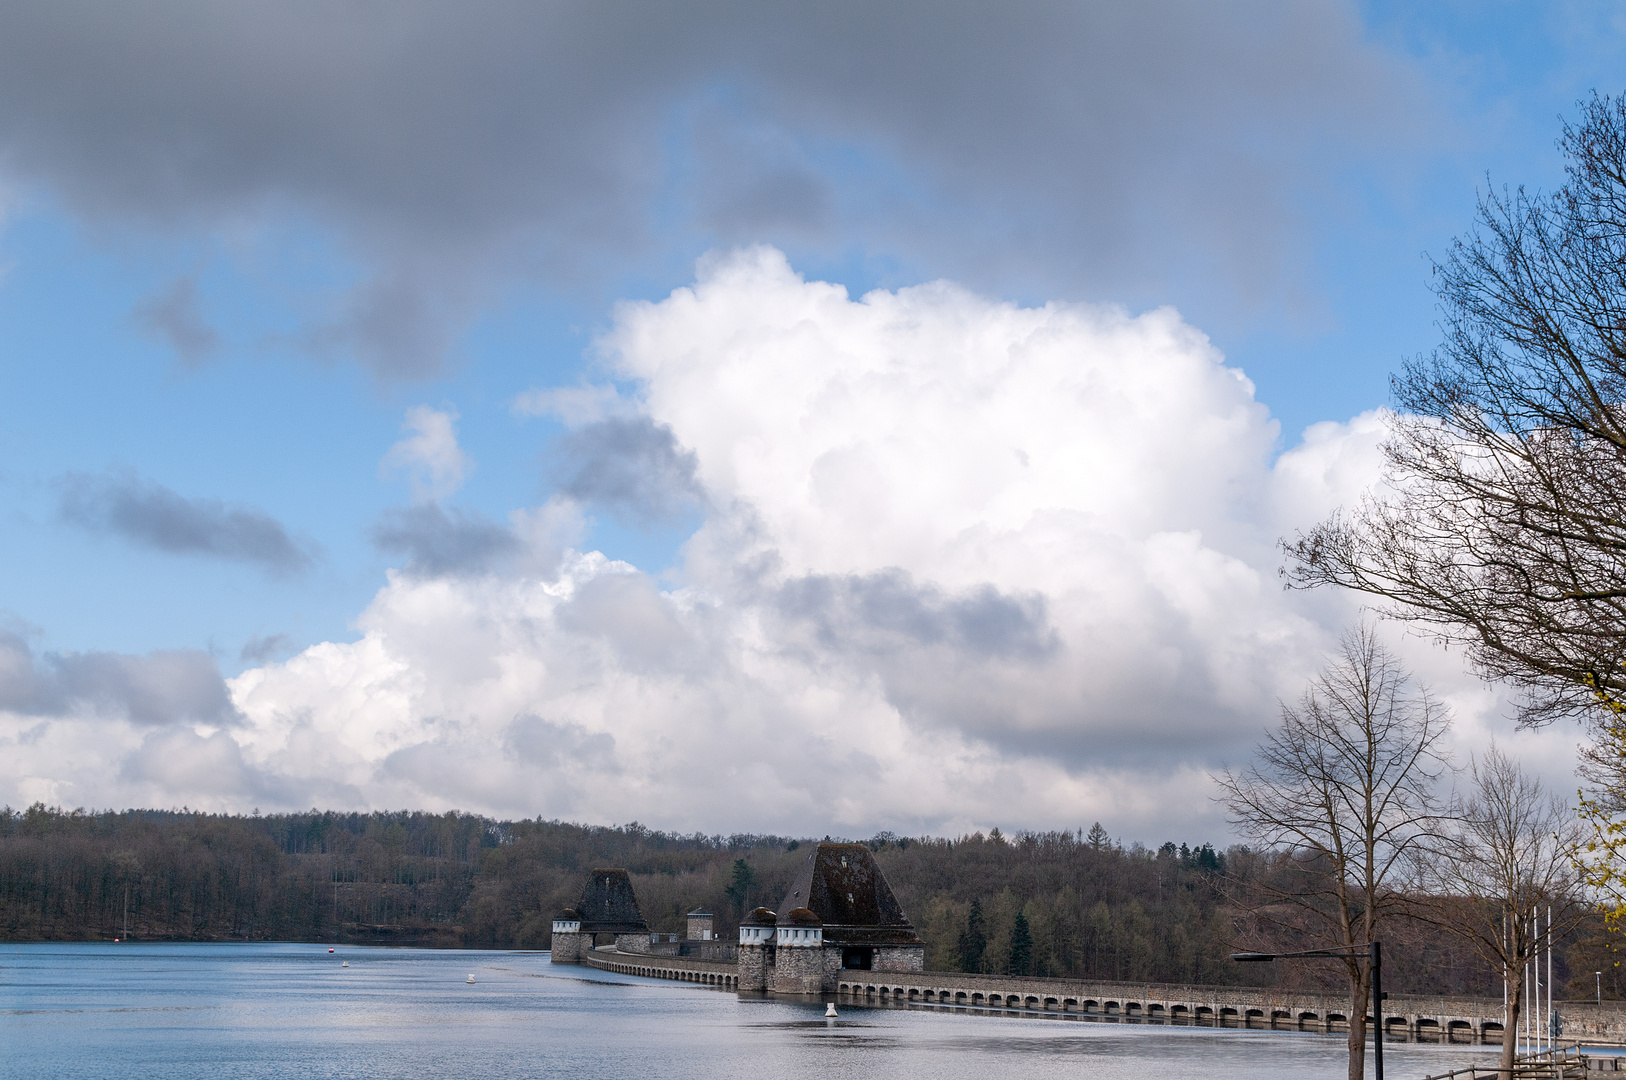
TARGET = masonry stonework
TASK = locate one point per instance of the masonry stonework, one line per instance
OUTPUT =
(632, 943)
(900, 959)
(566, 948)
(842, 934)
(798, 971)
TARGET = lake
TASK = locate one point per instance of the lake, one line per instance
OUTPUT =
(278, 1011)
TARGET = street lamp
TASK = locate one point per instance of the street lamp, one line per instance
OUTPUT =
(1374, 952)
(1599, 974)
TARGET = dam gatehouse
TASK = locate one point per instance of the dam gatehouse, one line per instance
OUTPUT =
(841, 935)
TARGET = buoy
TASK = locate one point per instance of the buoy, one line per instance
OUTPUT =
(115, 941)
(830, 1009)
(330, 950)
(345, 964)
(471, 978)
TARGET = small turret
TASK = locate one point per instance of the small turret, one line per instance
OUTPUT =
(757, 928)
(566, 946)
(799, 928)
(756, 944)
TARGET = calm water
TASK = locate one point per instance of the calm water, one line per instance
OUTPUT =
(270, 1012)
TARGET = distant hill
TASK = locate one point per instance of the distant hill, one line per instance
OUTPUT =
(1090, 907)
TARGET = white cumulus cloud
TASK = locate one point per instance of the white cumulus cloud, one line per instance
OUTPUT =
(961, 563)
(435, 465)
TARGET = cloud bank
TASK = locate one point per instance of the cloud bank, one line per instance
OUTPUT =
(451, 149)
(962, 562)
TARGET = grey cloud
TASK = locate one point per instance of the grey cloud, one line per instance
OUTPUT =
(990, 665)
(24, 687)
(258, 649)
(156, 517)
(1090, 145)
(631, 466)
(208, 767)
(954, 660)
(437, 542)
(534, 741)
(630, 614)
(163, 687)
(755, 180)
(174, 317)
(887, 611)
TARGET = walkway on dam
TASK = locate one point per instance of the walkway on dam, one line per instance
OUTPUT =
(685, 969)
(1464, 1020)
(1427, 1019)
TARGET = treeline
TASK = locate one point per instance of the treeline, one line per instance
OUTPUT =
(1063, 903)
(439, 879)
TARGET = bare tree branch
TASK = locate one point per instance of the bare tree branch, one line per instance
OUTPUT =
(1347, 786)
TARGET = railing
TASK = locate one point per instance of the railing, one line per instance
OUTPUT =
(1560, 1063)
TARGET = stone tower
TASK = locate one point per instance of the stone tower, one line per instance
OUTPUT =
(798, 953)
(756, 949)
(567, 937)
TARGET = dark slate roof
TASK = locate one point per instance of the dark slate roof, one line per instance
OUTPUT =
(608, 906)
(842, 885)
(760, 917)
(802, 917)
(571, 914)
(700, 913)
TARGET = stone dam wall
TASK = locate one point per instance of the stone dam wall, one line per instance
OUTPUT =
(1442, 1019)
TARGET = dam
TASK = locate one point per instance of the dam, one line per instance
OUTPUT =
(841, 934)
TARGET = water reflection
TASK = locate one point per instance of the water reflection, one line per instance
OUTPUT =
(85, 1012)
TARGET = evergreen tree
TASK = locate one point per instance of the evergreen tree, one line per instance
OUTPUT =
(1098, 838)
(740, 890)
(1021, 946)
(973, 939)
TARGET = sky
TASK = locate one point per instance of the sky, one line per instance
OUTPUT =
(729, 417)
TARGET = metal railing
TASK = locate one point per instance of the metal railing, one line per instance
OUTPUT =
(1559, 1063)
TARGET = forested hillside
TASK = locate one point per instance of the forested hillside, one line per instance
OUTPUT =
(1045, 904)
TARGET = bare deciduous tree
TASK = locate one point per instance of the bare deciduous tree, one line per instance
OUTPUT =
(1505, 526)
(1347, 785)
(1510, 851)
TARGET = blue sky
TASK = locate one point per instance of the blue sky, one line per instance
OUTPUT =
(238, 247)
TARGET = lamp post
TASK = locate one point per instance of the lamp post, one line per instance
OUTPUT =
(1373, 950)
(1599, 974)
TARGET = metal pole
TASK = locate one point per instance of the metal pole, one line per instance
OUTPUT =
(1377, 1008)
(1527, 1009)
(1552, 1036)
(1599, 974)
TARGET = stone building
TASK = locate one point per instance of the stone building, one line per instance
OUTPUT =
(699, 926)
(840, 914)
(608, 909)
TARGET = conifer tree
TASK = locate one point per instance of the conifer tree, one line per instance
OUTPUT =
(973, 939)
(1021, 946)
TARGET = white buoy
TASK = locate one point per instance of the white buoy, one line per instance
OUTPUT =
(471, 977)
(345, 964)
(830, 1009)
